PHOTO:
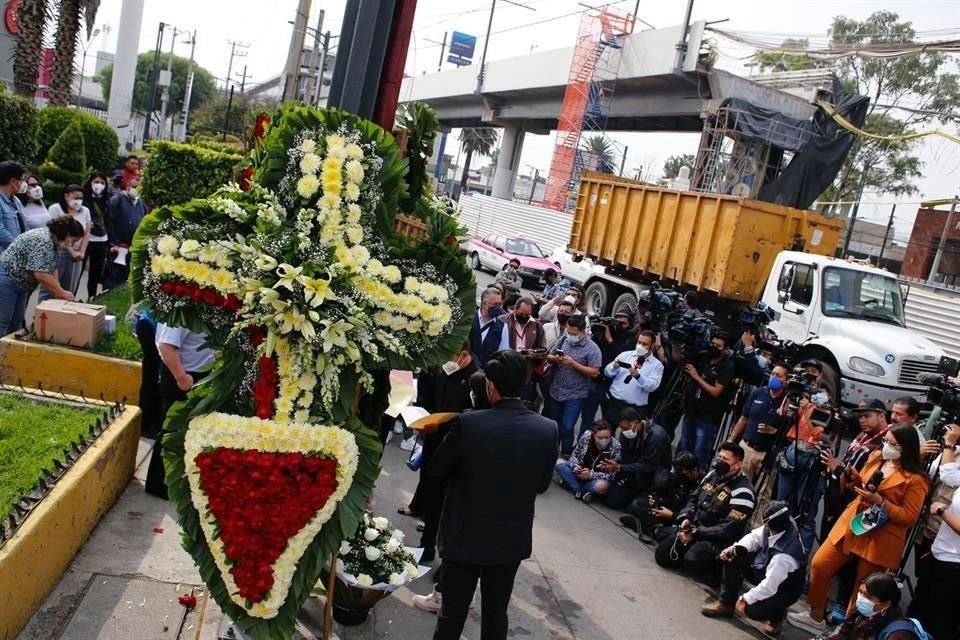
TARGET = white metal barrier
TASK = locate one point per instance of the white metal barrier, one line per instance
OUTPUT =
(935, 313)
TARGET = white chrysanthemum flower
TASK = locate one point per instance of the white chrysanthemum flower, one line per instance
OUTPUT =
(392, 274)
(353, 213)
(335, 141)
(303, 415)
(382, 318)
(361, 254)
(414, 327)
(352, 192)
(310, 163)
(167, 245)
(354, 171)
(337, 153)
(308, 146)
(330, 201)
(355, 234)
(188, 248)
(354, 152)
(307, 186)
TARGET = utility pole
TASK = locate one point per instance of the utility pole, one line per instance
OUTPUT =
(154, 77)
(486, 39)
(120, 106)
(291, 71)
(234, 54)
(226, 120)
(188, 91)
(623, 160)
(533, 189)
(886, 234)
(856, 209)
(243, 80)
(321, 65)
(935, 267)
(165, 97)
(443, 49)
(313, 81)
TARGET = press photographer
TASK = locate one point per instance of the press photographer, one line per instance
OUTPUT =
(773, 558)
(761, 420)
(633, 375)
(715, 517)
(705, 394)
(648, 514)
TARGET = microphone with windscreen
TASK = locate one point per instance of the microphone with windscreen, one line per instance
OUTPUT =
(874, 482)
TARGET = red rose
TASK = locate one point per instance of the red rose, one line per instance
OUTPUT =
(180, 289)
(196, 295)
(188, 600)
(168, 287)
(246, 179)
(260, 129)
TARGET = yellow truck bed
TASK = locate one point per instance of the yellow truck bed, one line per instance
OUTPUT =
(722, 244)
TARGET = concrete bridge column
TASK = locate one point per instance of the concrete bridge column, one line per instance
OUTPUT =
(508, 162)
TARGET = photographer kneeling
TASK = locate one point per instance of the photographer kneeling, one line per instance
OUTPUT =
(714, 518)
(644, 455)
(774, 559)
(648, 514)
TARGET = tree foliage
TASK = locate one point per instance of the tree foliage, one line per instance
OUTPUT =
(422, 125)
(18, 128)
(211, 116)
(601, 150)
(100, 139)
(778, 61)
(478, 140)
(32, 18)
(924, 82)
(671, 168)
(203, 84)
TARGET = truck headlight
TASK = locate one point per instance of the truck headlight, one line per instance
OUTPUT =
(861, 365)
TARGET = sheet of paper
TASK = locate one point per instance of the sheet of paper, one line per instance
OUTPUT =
(121, 257)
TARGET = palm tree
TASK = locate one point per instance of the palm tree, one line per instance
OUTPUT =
(479, 140)
(601, 149)
(65, 46)
(32, 18)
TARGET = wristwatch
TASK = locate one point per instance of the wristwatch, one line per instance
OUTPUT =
(939, 512)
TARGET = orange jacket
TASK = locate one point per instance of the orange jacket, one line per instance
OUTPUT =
(904, 493)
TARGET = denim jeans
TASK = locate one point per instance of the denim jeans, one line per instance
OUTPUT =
(13, 304)
(591, 404)
(565, 412)
(697, 436)
(565, 470)
(791, 488)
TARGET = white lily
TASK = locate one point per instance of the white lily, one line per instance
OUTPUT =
(315, 291)
(288, 274)
(335, 335)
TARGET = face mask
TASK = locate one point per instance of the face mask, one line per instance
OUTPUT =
(75, 204)
(22, 188)
(574, 340)
(562, 318)
(132, 192)
(889, 453)
(820, 398)
(97, 188)
(865, 606)
(775, 383)
(36, 192)
(495, 311)
(629, 435)
(714, 352)
(722, 468)
(642, 351)
(603, 443)
(523, 319)
(762, 361)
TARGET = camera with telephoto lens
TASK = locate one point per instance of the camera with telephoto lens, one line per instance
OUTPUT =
(691, 335)
(598, 326)
(943, 394)
(658, 303)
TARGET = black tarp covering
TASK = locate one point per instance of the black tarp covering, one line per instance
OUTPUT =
(818, 161)
(778, 129)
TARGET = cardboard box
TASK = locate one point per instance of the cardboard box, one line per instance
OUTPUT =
(71, 323)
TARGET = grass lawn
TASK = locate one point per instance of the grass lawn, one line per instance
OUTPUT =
(122, 344)
(32, 435)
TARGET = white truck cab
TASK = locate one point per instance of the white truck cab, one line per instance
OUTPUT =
(850, 317)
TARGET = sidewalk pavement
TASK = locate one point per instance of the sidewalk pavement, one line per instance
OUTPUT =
(589, 579)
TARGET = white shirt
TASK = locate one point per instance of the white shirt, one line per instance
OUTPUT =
(780, 566)
(35, 215)
(193, 354)
(634, 391)
(946, 546)
(82, 216)
(552, 332)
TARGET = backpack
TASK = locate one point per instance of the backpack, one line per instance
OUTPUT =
(905, 624)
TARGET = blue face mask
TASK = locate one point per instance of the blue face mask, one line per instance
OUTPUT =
(775, 383)
(574, 340)
(495, 311)
(865, 606)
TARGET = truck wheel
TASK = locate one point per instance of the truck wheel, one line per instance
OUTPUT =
(625, 300)
(832, 377)
(475, 261)
(597, 299)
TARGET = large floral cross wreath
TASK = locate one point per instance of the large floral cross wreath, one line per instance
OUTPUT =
(309, 295)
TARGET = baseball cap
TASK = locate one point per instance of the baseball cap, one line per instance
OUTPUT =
(871, 519)
(549, 272)
(871, 404)
(812, 362)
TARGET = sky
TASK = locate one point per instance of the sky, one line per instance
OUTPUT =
(544, 25)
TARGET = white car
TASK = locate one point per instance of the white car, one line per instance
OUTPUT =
(575, 272)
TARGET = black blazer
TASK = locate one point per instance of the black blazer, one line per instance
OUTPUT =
(495, 462)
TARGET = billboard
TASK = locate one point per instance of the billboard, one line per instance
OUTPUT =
(463, 45)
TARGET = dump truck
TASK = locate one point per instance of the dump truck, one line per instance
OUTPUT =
(737, 252)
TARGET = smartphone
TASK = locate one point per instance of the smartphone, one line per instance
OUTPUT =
(604, 455)
(559, 352)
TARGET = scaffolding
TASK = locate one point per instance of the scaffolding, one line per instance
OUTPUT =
(586, 100)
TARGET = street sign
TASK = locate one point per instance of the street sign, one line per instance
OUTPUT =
(463, 45)
(457, 60)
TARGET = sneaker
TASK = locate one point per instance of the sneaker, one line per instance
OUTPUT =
(430, 603)
(398, 427)
(838, 614)
(409, 443)
(587, 497)
(805, 622)
(630, 522)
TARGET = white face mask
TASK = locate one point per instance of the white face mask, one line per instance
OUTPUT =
(890, 453)
(23, 187)
(603, 443)
(642, 351)
(629, 435)
(97, 188)
(75, 204)
(36, 193)
(132, 192)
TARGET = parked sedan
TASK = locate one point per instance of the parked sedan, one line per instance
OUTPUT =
(494, 251)
(575, 272)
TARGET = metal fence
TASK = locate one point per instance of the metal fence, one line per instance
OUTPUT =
(934, 312)
(483, 215)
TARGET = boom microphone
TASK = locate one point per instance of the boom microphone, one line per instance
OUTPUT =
(931, 379)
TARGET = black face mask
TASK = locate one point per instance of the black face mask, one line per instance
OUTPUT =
(523, 319)
(714, 352)
(722, 468)
(562, 318)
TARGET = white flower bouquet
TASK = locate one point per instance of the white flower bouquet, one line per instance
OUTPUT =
(375, 557)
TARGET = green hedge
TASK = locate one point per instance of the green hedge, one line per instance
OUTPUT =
(216, 145)
(177, 173)
(101, 141)
(69, 151)
(18, 129)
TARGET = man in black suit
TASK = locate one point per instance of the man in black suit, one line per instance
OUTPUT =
(495, 463)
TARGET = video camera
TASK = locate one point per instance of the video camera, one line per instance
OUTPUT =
(943, 394)
(598, 326)
(691, 335)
